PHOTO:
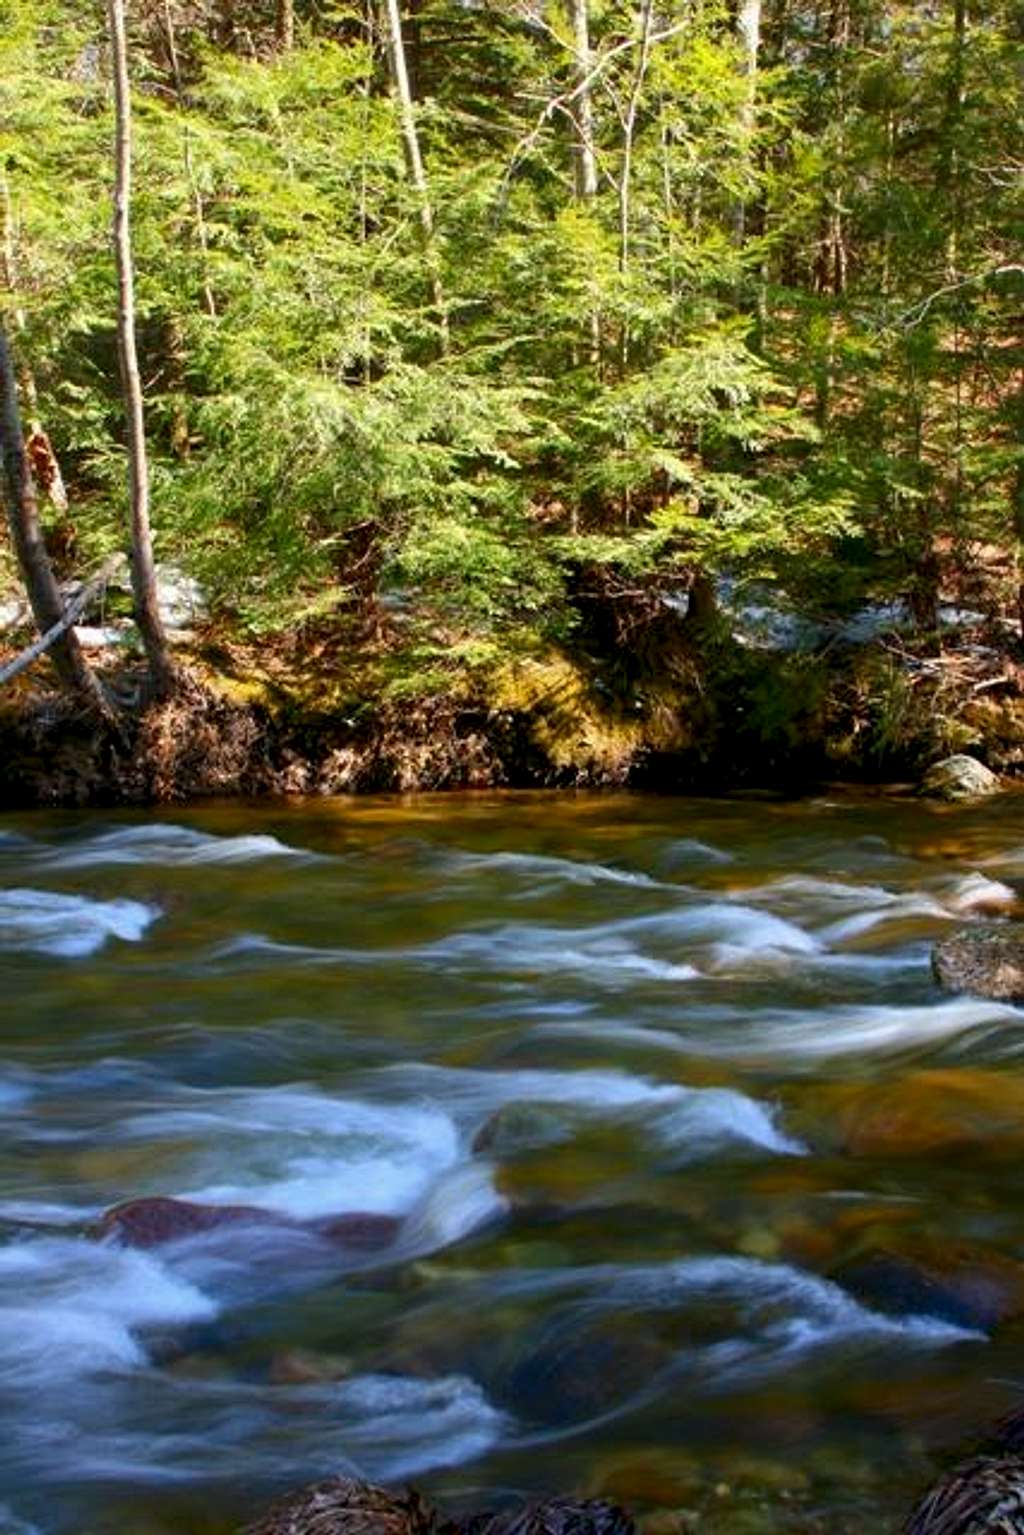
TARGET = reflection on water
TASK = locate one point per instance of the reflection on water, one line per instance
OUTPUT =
(680, 1181)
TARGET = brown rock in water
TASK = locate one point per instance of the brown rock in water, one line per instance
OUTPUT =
(152, 1221)
(984, 1496)
(364, 1232)
(344, 1506)
(986, 959)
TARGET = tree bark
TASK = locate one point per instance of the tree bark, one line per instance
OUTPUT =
(586, 154)
(26, 535)
(748, 33)
(147, 611)
(414, 160)
(46, 466)
(284, 25)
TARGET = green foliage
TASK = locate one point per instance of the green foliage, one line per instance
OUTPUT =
(778, 343)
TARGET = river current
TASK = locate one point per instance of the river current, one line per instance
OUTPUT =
(702, 1195)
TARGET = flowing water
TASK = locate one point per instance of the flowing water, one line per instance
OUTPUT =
(701, 1194)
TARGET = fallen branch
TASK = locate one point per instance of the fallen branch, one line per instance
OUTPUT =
(72, 612)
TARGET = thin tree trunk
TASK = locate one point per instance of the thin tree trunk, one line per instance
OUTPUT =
(748, 33)
(147, 611)
(45, 464)
(830, 277)
(414, 160)
(284, 25)
(629, 132)
(584, 149)
(26, 535)
(628, 141)
(586, 154)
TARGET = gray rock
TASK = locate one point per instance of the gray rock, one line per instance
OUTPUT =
(984, 958)
(959, 778)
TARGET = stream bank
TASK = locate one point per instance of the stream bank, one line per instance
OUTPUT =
(723, 716)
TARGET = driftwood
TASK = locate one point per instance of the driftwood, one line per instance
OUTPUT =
(72, 613)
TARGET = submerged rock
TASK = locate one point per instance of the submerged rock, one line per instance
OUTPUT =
(344, 1506)
(362, 1231)
(570, 1372)
(984, 958)
(978, 1290)
(959, 778)
(153, 1220)
(984, 1496)
(935, 1110)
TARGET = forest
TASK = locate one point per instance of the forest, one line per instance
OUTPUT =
(476, 367)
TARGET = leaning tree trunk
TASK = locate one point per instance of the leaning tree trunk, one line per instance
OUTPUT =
(147, 611)
(27, 537)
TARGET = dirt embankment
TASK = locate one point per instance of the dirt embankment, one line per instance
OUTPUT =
(729, 719)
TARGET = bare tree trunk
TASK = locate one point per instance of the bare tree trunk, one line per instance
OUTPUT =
(585, 150)
(26, 535)
(628, 118)
(748, 32)
(586, 154)
(414, 159)
(284, 25)
(147, 611)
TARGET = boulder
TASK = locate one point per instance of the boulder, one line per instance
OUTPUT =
(984, 1496)
(344, 1506)
(556, 1516)
(984, 958)
(959, 778)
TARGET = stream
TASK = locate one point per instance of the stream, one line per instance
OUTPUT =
(679, 1181)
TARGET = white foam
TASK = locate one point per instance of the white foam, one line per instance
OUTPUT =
(72, 1308)
(398, 1426)
(780, 1314)
(68, 926)
(742, 927)
(168, 844)
(539, 867)
(713, 1118)
(304, 1153)
(852, 1030)
(460, 1202)
(695, 1121)
(691, 850)
(899, 909)
(976, 892)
